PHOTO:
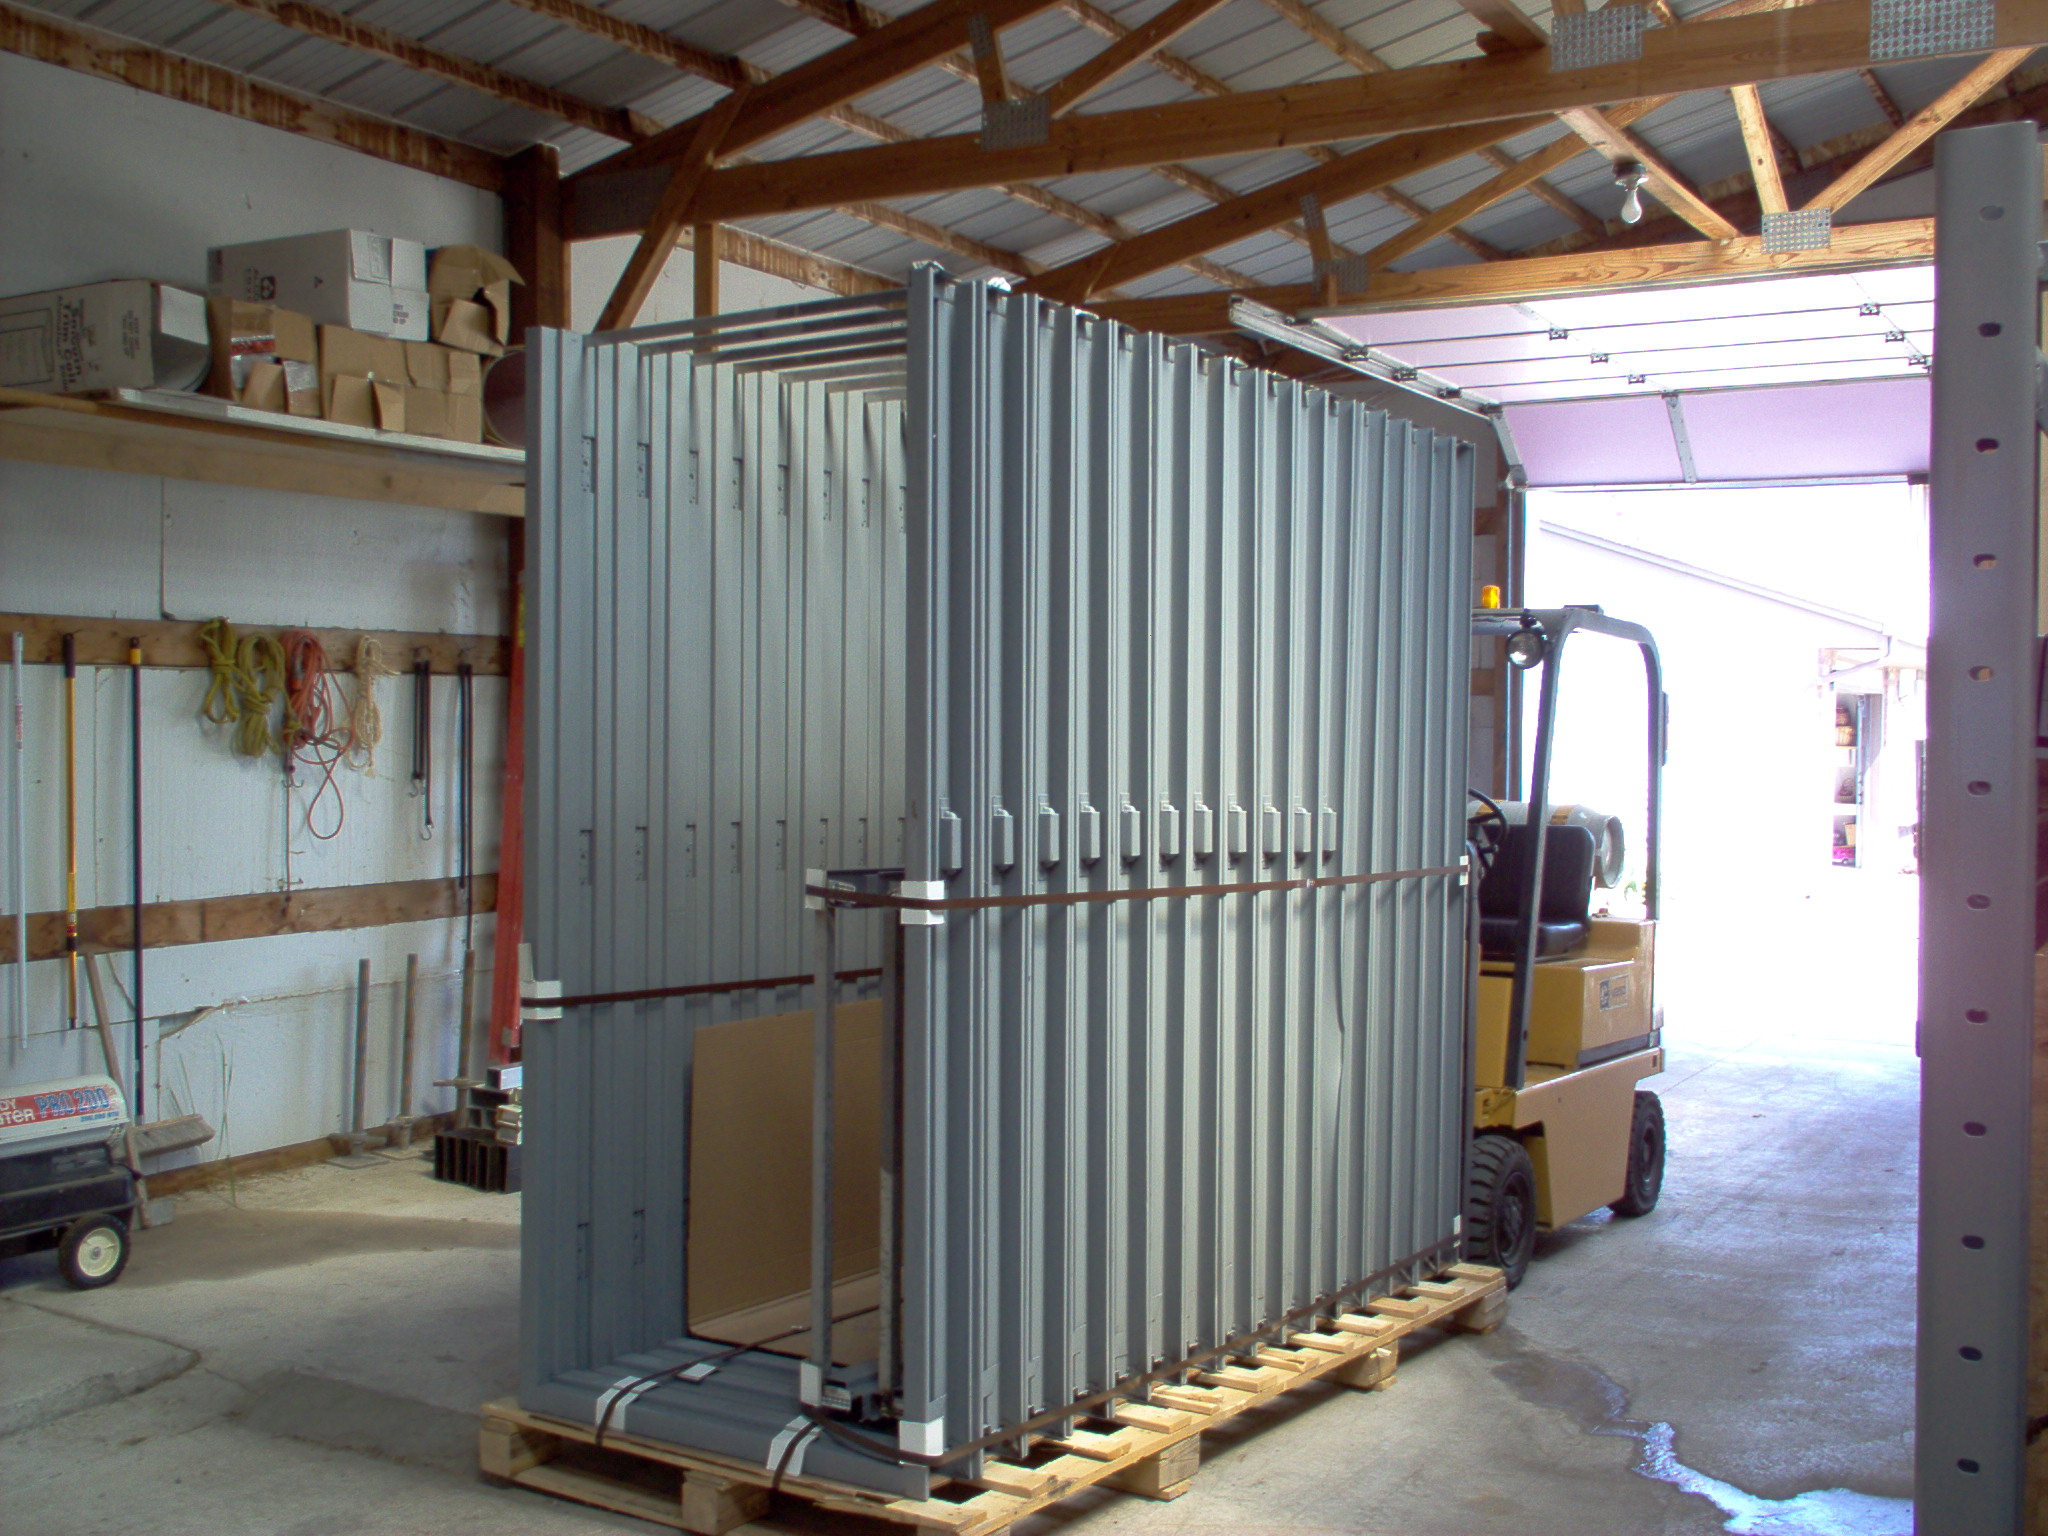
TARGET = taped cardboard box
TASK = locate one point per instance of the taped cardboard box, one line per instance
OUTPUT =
(433, 366)
(264, 356)
(352, 277)
(471, 326)
(426, 411)
(127, 334)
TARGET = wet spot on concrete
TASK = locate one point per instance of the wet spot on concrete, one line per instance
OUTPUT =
(296, 1406)
(1599, 1407)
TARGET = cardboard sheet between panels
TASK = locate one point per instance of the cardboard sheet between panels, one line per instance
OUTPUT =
(750, 1182)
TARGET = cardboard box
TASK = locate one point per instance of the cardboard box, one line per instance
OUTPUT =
(468, 325)
(466, 418)
(360, 402)
(465, 374)
(426, 365)
(426, 411)
(352, 277)
(285, 343)
(356, 354)
(127, 334)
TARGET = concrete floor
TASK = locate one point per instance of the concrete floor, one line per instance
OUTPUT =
(304, 1355)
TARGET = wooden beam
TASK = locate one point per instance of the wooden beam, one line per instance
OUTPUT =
(1365, 170)
(1922, 126)
(1882, 97)
(1506, 21)
(1763, 154)
(1663, 183)
(91, 51)
(1464, 239)
(671, 213)
(378, 42)
(704, 263)
(1348, 48)
(103, 642)
(534, 242)
(986, 49)
(758, 253)
(951, 241)
(1857, 247)
(220, 919)
(1441, 220)
(1701, 55)
(723, 69)
(905, 45)
(1500, 159)
(1133, 48)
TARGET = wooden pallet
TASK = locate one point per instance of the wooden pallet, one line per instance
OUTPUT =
(1151, 1448)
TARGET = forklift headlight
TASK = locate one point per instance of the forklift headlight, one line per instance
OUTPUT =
(1525, 648)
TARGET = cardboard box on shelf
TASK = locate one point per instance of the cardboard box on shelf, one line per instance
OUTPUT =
(465, 374)
(426, 365)
(426, 411)
(126, 334)
(471, 326)
(469, 274)
(283, 342)
(356, 354)
(466, 418)
(359, 402)
(352, 277)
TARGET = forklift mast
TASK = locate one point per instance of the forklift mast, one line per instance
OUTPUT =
(1536, 639)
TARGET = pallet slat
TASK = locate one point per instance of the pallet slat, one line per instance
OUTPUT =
(1154, 1451)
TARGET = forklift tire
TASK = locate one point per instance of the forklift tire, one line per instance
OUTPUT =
(1645, 1159)
(1500, 1205)
(94, 1252)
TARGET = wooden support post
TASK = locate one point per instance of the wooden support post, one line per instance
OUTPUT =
(1368, 1373)
(505, 1449)
(713, 1505)
(1166, 1475)
(706, 253)
(533, 238)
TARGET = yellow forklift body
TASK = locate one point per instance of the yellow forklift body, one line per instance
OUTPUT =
(1589, 1007)
(1576, 1127)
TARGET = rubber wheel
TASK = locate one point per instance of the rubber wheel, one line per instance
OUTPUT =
(1645, 1159)
(94, 1252)
(1500, 1205)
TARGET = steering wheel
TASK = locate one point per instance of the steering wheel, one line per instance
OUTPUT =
(1486, 830)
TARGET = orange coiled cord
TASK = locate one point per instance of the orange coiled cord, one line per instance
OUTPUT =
(317, 731)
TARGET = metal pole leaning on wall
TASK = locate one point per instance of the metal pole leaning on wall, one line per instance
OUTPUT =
(1977, 923)
(19, 851)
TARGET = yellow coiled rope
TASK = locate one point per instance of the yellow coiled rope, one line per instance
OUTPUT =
(365, 719)
(248, 676)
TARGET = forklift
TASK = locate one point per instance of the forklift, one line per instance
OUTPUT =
(1564, 1018)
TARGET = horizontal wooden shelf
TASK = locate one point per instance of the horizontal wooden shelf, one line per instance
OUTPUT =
(194, 437)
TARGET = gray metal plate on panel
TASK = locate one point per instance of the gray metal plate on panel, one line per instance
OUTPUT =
(1799, 229)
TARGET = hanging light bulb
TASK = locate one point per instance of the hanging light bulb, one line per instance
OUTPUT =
(1630, 176)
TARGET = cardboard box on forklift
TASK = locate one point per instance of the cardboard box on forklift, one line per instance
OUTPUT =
(472, 295)
(264, 357)
(127, 334)
(352, 277)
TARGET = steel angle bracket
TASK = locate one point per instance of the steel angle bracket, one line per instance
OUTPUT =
(1611, 35)
(1915, 29)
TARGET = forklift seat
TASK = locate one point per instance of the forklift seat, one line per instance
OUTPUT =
(1565, 921)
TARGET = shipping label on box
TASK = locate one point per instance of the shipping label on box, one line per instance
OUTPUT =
(245, 335)
(127, 334)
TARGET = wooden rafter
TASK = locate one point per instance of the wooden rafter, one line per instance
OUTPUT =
(1882, 97)
(1307, 20)
(1135, 46)
(1919, 128)
(1763, 153)
(672, 212)
(91, 51)
(1701, 55)
(1662, 182)
(378, 42)
(1857, 247)
(1505, 22)
(903, 46)
(1440, 220)
(1364, 170)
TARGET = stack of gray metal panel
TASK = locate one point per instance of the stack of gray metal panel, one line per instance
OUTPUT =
(1157, 661)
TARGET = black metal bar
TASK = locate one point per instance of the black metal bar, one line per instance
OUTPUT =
(135, 789)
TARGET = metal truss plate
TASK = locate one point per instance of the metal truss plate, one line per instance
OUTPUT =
(1610, 35)
(1351, 273)
(1020, 124)
(1803, 229)
(1914, 29)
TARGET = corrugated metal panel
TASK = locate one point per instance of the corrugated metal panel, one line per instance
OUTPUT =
(1090, 616)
